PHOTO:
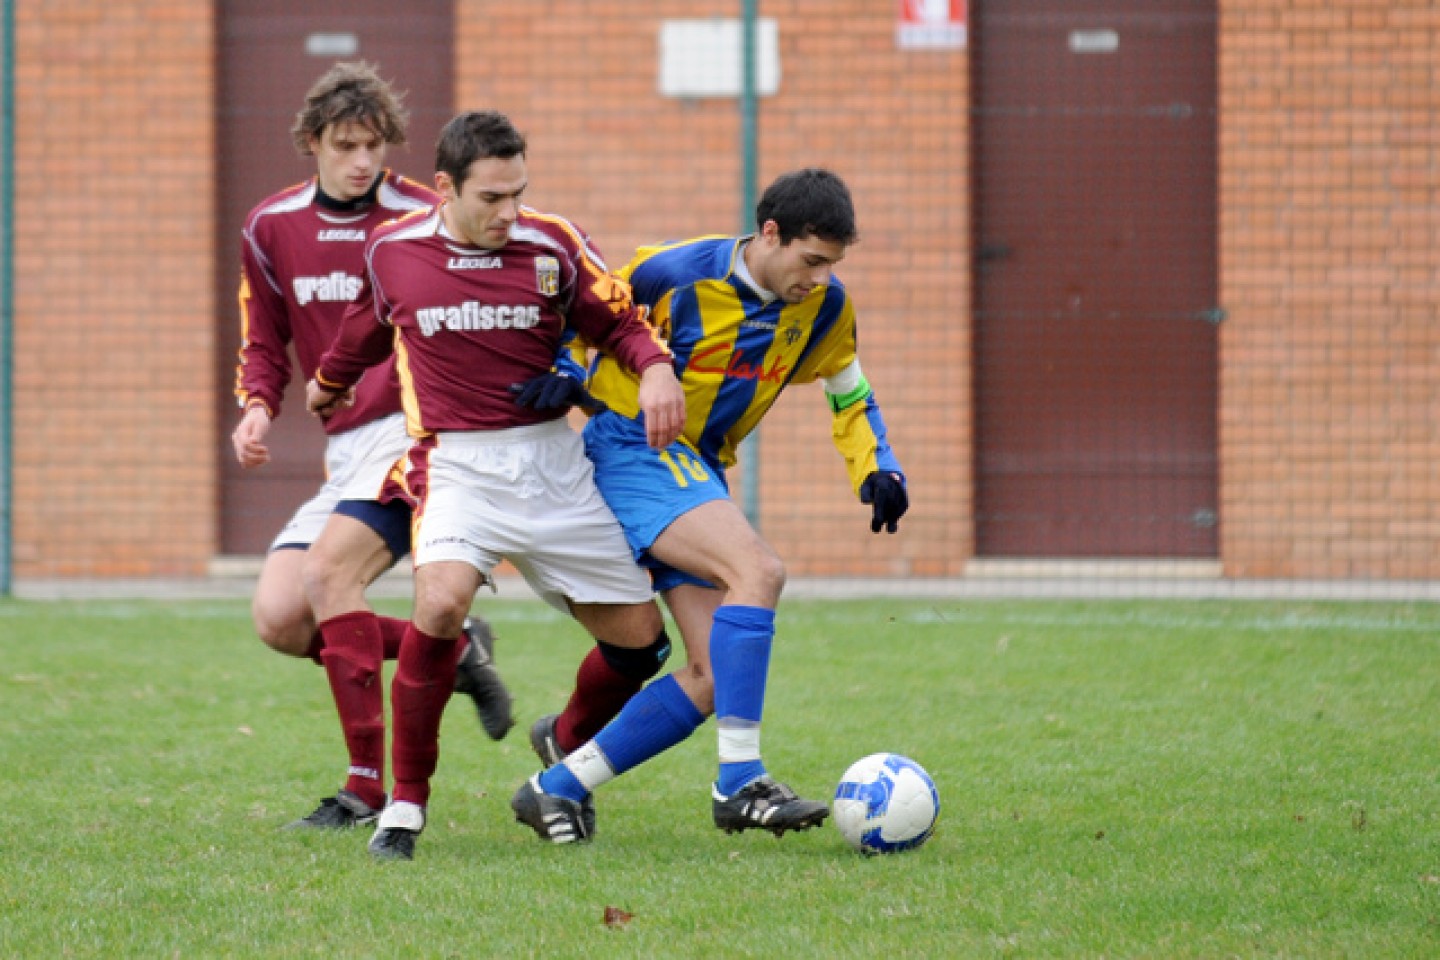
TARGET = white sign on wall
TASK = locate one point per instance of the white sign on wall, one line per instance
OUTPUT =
(931, 25)
(702, 58)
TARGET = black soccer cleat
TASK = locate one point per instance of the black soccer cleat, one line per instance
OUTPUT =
(340, 812)
(396, 830)
(544, 741)
(557, 819)
(766, 804)
(476, 677)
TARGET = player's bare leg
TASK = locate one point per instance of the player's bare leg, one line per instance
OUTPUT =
(693, 608)
(716, 542)
(343, 561)
(280, 609)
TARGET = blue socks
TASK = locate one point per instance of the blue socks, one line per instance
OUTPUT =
(740, 642)
(655, 719)
(661, 715)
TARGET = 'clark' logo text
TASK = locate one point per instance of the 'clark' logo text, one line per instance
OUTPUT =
(707, 361)
(338, 286)
(471, 315)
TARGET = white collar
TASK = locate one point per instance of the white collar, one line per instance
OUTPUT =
(743, 272)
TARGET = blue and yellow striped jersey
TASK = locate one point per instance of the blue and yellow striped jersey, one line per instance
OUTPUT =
(734, 353)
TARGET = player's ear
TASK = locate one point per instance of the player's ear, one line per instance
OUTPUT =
(770, 233)
(444, 185)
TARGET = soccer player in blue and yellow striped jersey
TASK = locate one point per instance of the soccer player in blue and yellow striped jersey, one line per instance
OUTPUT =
(744, 318)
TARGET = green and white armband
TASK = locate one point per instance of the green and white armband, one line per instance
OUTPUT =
(847, 388)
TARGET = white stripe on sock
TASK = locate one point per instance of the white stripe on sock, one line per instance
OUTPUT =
(590, 767)
(739, 740)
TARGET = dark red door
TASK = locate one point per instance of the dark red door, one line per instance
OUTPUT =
(1096, 337)
(270, 52)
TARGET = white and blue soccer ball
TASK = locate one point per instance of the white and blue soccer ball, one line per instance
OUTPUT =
(886, 803)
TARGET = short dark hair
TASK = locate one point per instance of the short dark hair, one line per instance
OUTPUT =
(473, 136)
(809, 202)
(351, 93)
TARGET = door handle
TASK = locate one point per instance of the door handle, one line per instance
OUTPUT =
(995, 250)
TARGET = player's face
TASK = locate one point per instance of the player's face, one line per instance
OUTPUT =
(486, 205)
(792, 270)
(348, 156)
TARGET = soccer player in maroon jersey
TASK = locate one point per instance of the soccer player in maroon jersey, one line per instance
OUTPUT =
(302, 257)
(474, 297)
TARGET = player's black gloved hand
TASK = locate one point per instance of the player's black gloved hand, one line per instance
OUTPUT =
(552, 391)
(886, 492)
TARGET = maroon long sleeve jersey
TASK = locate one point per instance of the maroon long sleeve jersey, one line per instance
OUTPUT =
(466, 323)
(302, 262)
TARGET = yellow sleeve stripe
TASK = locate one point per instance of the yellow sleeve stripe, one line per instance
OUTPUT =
(241, 393)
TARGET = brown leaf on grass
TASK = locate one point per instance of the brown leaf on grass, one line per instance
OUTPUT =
(1429, 878)
(617, 918)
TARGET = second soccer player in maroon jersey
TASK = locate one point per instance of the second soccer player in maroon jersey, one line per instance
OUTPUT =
(301, 264)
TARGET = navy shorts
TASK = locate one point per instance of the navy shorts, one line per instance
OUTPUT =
(391, 521)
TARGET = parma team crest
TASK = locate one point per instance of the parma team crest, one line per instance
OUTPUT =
(547, 276)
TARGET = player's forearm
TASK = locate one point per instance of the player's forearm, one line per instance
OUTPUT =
(260, 378)
(361, 344)
(635, 345)
(264, 368)
(860, 436)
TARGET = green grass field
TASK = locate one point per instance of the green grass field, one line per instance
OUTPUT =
(1118, 779)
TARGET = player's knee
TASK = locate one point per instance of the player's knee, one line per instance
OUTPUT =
(637, 663)
(439, 611)
(768, 574)
(281, 633)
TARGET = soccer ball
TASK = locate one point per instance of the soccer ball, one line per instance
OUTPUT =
(886, 803)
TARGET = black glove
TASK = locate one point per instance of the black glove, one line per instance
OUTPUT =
(552, 391)
(887, 492)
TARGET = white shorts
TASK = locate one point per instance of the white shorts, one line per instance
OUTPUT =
(526, 495)
(356, 465)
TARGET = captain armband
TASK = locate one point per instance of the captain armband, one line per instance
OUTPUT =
(847, 388)
(850, 397)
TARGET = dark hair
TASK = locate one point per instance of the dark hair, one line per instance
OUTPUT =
(809, 202)
(475, 136)
(350, 93)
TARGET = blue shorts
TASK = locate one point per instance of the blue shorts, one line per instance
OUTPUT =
(649, 489)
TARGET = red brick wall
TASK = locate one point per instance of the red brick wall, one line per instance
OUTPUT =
(114, 404)
(1329, 251)
(1330, 268)
(632, 167)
